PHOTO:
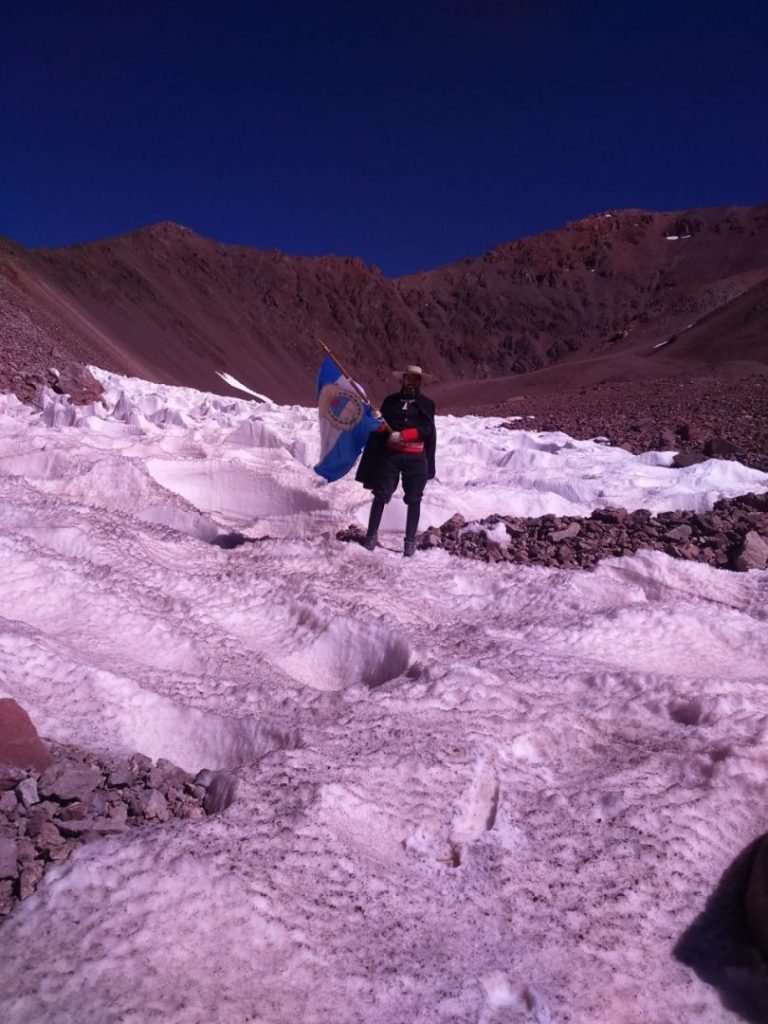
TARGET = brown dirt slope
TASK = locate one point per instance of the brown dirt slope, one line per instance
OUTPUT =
(603, 291)
(169, 305)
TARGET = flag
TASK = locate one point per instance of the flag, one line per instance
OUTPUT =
(346, 421)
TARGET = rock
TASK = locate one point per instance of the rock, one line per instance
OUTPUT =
(27, 792)
(69, 781)
(679, 533)
(134, 804)
(666, 441)
(98, 803)
(108, 827)
(565, 554)
(78, 382)
(56, 854)
(73, 812)
(75, 827)
(756, 501)
(8, 856)
(87, 826)
(10, 777)
(683, 459)
(165, 773)
(121, 775)
(689, 552)
(38, 817)
(752, 553)
(119, 814)
(192, 811)
(20, 746)
(610, 515)
(719, 446)
(570, 531)
(220, 793)
(6, 897)
(8, 803)
(25, 850)
(141, 763)
(31, 873)
(155, 805)
(456, 522)
(205, 777)
(49, 837)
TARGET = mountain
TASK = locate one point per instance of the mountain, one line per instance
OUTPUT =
(617, 295)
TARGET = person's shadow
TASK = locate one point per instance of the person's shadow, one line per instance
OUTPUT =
(719, 948)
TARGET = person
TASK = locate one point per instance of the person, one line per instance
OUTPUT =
(402, 448)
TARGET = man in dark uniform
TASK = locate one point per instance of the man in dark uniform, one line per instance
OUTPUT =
(403, 448)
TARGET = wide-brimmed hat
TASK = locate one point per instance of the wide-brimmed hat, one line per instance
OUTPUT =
(415, 370)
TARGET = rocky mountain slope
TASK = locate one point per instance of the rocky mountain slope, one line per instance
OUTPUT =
(617, 296)
(615, 283)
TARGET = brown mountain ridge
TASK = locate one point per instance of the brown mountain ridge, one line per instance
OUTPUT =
(618, 296)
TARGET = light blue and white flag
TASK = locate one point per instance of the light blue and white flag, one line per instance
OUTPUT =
(346, 421)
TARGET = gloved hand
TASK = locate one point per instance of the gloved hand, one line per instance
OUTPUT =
(395, 436)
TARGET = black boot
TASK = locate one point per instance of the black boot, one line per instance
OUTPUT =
(411, 526)
(372, 536)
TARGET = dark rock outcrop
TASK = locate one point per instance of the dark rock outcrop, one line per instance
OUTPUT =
(78, 382)
(734, 535)
(80, 797)
(20, 745)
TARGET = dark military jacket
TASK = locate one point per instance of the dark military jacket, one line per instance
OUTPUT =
(401, 413)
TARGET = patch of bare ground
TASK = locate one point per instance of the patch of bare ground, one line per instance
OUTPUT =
(734, 536)
(710, 416)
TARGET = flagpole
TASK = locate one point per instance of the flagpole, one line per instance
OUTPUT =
(345, 371)
(350, 378)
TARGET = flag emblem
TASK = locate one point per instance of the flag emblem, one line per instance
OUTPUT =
(341, 407)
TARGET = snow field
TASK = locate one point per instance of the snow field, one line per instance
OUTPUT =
(466, 792)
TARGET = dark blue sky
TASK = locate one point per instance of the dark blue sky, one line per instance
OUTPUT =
(409, 134)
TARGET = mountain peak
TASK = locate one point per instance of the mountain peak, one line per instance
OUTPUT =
(165, 229)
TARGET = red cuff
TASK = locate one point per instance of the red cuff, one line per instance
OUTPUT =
(382, 428)
(410, 434)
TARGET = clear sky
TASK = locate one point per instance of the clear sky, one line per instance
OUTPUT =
(408, 134)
